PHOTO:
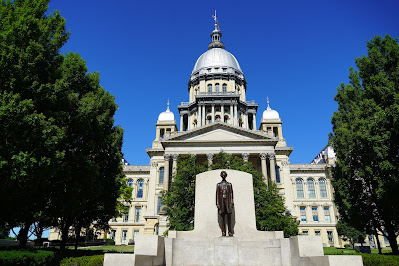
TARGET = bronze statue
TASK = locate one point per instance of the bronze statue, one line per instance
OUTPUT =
(225, 203)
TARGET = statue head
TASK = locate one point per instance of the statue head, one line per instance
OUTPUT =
(223, 174)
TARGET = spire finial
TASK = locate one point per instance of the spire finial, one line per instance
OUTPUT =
(168, 106)
(216, 35)
(268, 106)
(216, 21)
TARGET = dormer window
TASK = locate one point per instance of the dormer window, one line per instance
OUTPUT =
(209, 70)
(224, 70)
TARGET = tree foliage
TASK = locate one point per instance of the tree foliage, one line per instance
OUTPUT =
(179, 201)
(60, 151)
(366, 141)
(348, 233)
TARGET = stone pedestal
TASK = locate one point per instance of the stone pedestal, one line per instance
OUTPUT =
(205, 246)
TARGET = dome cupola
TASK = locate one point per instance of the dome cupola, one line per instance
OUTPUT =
(216, 60)
(166, 116)
(269, 113)
(216, 36)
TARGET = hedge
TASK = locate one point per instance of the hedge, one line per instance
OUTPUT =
(20, 257)
(96, 260)
(379, 260)
(373, 259)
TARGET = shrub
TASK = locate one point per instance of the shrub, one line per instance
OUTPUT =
(347, 246)
(378, 260)
(96, 260)
(109, 241)
(26, 257)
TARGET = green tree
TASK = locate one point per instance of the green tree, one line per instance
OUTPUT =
(348, 233)
(270, 212)
(366, 141)
(60, 151)
(29, 152)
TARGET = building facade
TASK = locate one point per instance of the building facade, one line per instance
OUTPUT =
(218, 117)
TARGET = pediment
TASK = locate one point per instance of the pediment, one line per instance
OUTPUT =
(219, 132)
(218, 135)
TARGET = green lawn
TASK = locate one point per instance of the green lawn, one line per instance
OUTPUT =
(111, 249)
(329, 250)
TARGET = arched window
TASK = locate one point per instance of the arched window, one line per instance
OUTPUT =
(323, 189)
(140, 188)
(299, 188)
(161, 175)
(226, 118)
(224, 87)
(312, 193)
(278, 181)
(209, 87)
(217, 87)
(130, 182)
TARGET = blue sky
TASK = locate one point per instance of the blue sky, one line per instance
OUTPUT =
(295, 52)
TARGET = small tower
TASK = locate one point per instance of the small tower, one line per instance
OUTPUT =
(272, 124)
(165, 125)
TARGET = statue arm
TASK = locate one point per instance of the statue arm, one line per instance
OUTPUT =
(232, 196)
(217, 195)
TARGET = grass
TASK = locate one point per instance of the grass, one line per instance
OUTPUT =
(111, 249)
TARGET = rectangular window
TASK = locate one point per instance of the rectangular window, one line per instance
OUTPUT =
(315, 215)
(303, 214)
(126, 217)
(278, 181)
(330, 237)
(135, 234)
(305, 232)
(327, 215)
(137, 214)
(112, 235)
(124, 236)
(317, 232)
(161, 175)
(159, 205)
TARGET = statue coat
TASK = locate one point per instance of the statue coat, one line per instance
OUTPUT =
(226, 205)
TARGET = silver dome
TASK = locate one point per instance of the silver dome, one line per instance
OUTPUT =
(216, 57)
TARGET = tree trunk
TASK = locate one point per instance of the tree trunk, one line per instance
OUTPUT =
(392, 240)
(64, 234)
(23, 235)
(77, 235)
(378, 242)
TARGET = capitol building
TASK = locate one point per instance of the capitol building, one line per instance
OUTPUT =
(218, 117)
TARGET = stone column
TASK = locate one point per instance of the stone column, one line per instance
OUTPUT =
(174, 164)
(272, 158)
(166, 173)
(231, 115)
(235, 115)
(203, 114)
(254, 121)
(245, 156)
(245, 120)
(181, 122)
(210, 160)
(199, 115)
(263, 157)
(222, 111)
(213, 113)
